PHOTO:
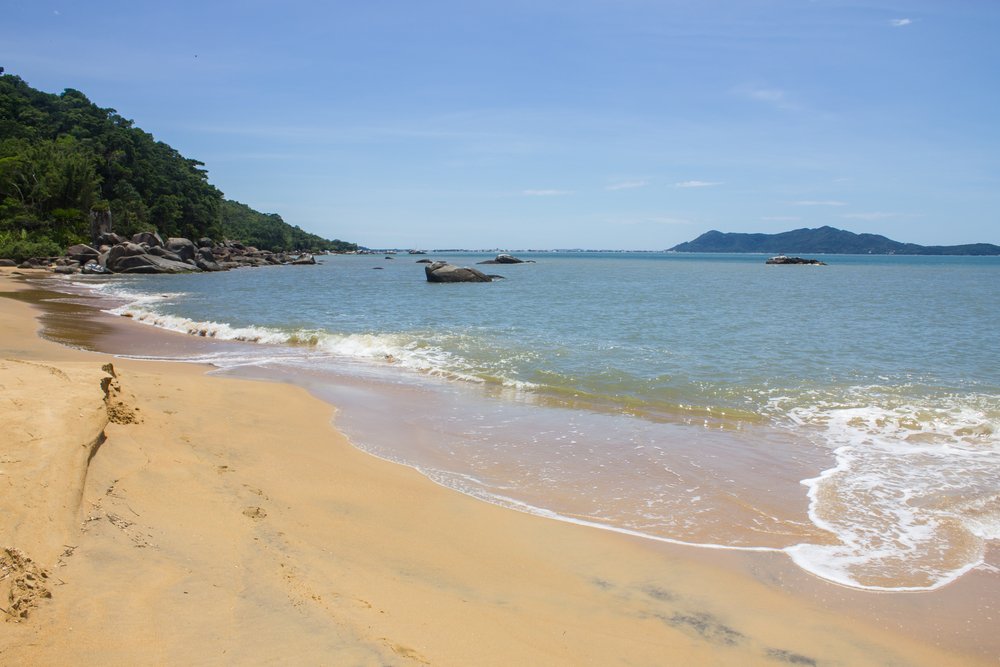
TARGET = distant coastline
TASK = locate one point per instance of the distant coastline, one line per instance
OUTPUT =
(823, 240)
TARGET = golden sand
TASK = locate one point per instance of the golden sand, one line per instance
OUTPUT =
(150, 514)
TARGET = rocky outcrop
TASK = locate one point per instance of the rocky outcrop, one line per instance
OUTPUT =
(504, 258)
(442, 272)
(781, 259)
(147, 253)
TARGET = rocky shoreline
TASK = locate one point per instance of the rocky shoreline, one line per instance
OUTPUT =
(147, 252)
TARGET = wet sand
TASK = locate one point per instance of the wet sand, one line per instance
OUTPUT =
(173, 517)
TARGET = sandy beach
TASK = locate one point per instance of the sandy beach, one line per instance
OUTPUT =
(151, 514)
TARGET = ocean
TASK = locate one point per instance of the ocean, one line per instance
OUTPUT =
(846, 415)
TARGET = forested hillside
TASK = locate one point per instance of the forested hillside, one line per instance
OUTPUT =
(63, 157)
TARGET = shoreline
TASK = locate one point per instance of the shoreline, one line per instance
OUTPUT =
(272, 536)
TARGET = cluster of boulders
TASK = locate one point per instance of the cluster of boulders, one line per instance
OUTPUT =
(146, 252)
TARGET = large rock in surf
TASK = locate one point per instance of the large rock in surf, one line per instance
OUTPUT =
(504, 258)
(781, 259)
(443, 272)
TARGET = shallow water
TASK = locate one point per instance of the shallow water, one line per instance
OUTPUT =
(845, 414)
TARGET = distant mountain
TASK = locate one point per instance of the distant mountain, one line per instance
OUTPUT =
(825, 240)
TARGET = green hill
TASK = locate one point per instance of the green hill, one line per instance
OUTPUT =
(824, 240)
(62, 157)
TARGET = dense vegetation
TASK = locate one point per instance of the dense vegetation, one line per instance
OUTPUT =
(268, 231)
(63, 157)
(825, 240)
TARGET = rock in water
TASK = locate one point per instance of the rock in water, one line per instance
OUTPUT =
(781, 259)
(443, 272)
(504, 258)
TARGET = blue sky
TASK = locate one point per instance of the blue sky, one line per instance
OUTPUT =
(601, 124)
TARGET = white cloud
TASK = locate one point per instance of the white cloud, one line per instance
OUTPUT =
(772, 95)
(627, 185)
(696, 184)
(779, 99)
(899, 23)
(781, 218)
(819, 202)
(545, 193)
(874, 215)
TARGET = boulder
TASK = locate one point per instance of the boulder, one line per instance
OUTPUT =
(82, 253)
(110, 238)
(160, 251)
(504, 258)
(184, 248)
(425, 261)
(7, 262)
(149, 238)
(119, 252)
(781, 259)
(205, 242)
(93, 269)
(151, 264)
(303, 260)
(65, 269)
(443, 272)
(207, 264)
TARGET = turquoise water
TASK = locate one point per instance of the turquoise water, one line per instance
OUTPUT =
(846, 415)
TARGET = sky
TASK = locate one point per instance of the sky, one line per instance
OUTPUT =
(610, 124)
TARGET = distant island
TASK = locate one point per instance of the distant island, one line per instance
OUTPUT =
(824, 240)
